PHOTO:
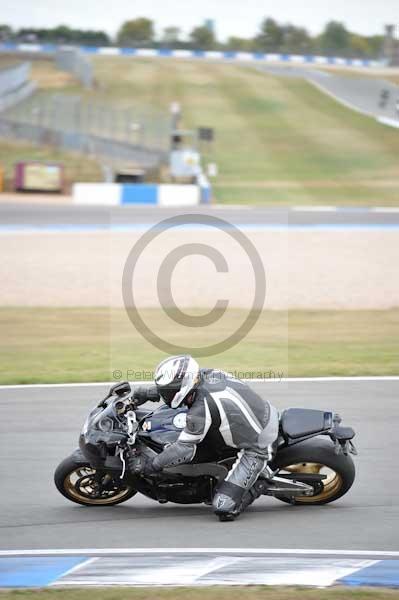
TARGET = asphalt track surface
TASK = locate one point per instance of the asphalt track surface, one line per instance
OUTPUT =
(46, 215)
(39, 427)
(359, 93)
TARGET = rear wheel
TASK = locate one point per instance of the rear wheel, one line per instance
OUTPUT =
(76, 480)
(317, 456)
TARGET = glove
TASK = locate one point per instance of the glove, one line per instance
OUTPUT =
(145, 393)
(140, 464)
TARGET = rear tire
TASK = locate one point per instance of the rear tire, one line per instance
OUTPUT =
(314, 456)
(74, 480)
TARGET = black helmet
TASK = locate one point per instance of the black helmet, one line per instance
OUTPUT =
(175, 377)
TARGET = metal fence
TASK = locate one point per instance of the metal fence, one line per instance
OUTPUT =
(107, 150)
(75, 61)
(70, 122)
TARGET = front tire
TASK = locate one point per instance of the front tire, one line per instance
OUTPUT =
(75, 479)
(317, 456)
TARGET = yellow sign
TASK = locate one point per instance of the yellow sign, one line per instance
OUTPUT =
(42, 177)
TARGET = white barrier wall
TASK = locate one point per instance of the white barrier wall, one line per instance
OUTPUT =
(113, 194)
(178, 195)
(96, 193)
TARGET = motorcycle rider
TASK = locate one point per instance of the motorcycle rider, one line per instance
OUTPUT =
(218, 404)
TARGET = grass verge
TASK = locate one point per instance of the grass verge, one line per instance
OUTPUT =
(210, 593)
(51, 345)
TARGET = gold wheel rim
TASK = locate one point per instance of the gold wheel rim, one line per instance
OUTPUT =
(70, 485)
(331, 485)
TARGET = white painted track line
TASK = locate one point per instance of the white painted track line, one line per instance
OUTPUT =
(93, 552)
(359, 378)
(200, 570)
(388, 121)
(314, 208)
(384, 209)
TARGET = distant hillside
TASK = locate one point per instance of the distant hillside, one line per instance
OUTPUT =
(278, 140)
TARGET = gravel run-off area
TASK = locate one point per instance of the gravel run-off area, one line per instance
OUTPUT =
(329, 269)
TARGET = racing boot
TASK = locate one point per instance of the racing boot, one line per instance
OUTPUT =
(227, 501)
(253, 494)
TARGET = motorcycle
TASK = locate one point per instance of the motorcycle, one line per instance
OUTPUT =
(312, 465)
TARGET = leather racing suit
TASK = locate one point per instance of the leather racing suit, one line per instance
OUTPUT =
(241, 418)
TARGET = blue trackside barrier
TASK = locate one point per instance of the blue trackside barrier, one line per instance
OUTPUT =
(230, 55)
(139, 194)
(116, 194)
(162, 194)
(128, 51)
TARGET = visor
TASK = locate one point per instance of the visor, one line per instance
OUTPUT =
(188, 383)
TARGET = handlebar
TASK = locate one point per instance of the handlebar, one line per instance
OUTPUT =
(118, 389)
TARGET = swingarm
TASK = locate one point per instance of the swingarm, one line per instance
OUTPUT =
(290, 484)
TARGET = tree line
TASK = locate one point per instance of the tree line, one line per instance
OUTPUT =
(272, 37)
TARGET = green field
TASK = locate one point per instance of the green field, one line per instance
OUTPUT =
(278, 140)
(210, 593)
(52, 345)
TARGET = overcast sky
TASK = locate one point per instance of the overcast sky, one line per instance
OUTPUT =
(232, 17)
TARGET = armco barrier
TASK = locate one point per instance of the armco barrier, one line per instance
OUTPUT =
(114, 194)
(15, 85)
(15, 96)
(13, 78)
(200, 54)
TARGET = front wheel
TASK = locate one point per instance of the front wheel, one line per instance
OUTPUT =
(76, 480)
(317, 456)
